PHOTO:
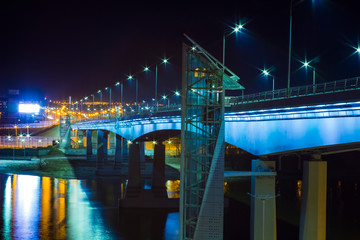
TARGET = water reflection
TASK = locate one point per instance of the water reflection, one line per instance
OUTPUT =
(46, 208)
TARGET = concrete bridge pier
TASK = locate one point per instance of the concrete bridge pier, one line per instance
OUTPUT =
(134, 185)
(111, 143)
(121, 152)
(105, 143)
(101, 148)
(94, 141)
(263, 201)
(313, 204)
(156, 197)
(158, 177)
(89, 147)
(80, 137)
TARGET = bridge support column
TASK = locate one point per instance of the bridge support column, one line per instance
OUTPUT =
(88, 144)
(142, 151)
(313, 205)
(80, 137)
(158, 177)
(100, 149)
(118, 146)
(112, 143)
(134, 186)
(105, 142)
(263, 204)
(94, 142)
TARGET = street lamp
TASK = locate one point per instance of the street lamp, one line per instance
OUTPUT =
(290, 33)
(165, 98)
(267, 73)
(236, 29)
(121, 92)
(164, 61)
(93, 102)
(307, 65)
(100, 103)
(81, 105)
(109, 100)
(130, 77)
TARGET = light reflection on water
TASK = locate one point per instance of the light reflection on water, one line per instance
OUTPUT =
(49, 208)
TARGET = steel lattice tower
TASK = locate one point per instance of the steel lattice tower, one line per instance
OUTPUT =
(202, 137)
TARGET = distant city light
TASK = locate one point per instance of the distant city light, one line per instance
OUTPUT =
(130, 77)
(29, 108)
(266, 72)
(146, 69)
(358, 49)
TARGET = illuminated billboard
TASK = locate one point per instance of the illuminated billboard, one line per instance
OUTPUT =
(29, 108)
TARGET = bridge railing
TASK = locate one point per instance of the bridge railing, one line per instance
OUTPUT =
(300, 91)
(26, 142)
(143, 111)
(41, 124)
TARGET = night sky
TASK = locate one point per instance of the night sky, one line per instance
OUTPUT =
(74, 48)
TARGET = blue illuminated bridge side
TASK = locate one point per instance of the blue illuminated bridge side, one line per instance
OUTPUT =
(260, 132)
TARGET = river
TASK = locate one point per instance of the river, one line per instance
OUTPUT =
(35, 207)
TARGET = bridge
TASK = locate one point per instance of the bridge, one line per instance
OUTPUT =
(308, 120)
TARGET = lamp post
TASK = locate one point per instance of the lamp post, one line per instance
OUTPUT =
(121, 92)
(93, 101)
(81, 105)
(290, 33)
(164, 61)
(235, 29)
(109, 100)
(100, 102)
(86, 98)
(165, 98)
(130, 77)
(306, 65)
(267, 73)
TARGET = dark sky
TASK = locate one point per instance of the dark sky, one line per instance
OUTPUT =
(63, 48)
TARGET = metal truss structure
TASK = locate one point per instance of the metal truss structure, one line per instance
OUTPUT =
(202, 135)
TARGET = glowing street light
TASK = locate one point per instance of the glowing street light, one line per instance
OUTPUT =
(93, 101)
(306, 64)
(267, 73)
(164, 61)
(236, 29)
(130, 77)
(165, 98)
(107, 88)
(121, 92)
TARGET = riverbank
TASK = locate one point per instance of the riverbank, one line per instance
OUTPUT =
(53, 164)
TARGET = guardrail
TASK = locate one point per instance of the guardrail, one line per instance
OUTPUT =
(150, 110)
(26, 142)
(41, 124)
(301, 91)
